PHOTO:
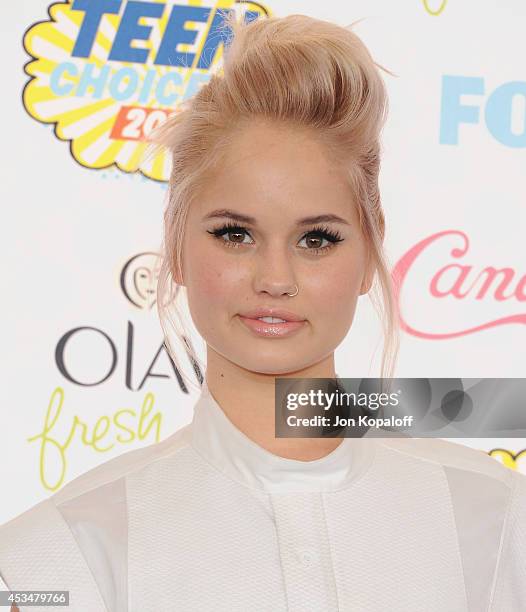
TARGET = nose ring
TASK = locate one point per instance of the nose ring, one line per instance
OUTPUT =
(294, 294)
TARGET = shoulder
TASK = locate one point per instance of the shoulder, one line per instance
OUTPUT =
(128, 463)
(92, 484)
(516, 515)
(84, 523)
(450, 456)
(509, 587)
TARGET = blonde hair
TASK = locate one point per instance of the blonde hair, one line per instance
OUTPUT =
(298, 70)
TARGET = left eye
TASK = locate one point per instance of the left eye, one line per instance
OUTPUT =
(317, 237)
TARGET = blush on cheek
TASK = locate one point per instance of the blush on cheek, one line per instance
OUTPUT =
(210, 281)
(217, 282)
(345, 292)
(335, 285)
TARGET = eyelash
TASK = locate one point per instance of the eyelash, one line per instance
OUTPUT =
(324, 232)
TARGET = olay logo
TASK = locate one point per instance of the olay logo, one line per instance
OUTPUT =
(460, 282)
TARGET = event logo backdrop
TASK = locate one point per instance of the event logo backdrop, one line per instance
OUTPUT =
(89, 376)
(104, 93)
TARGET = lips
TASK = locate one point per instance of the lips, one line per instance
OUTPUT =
(277, 313)
(271, 330)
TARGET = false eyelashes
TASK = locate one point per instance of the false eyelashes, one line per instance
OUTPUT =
(332, 236)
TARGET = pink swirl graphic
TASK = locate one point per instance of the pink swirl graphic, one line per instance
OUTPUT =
(403, 266)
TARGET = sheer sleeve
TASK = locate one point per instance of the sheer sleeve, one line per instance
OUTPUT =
(38, 552)
(509, 589)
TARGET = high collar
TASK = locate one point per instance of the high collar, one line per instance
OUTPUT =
(222, 444)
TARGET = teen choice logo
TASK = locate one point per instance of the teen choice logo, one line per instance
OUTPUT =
(106, 72)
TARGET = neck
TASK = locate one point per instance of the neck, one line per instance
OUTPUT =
(247, 399)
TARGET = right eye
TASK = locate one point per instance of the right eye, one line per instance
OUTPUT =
(230, 230)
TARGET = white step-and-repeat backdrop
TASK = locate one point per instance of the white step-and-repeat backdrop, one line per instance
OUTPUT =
(86, 376)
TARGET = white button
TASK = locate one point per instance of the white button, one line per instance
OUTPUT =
(307, 556)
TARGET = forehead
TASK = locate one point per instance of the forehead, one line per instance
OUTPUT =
(269, 169)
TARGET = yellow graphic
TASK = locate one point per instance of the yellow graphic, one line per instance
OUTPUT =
(440, 6)
(53, 451)
(515, 461)
(104, 107)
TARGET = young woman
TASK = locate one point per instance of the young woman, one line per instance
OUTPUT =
(274, 211)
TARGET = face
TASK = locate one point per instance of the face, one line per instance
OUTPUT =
(277, 176)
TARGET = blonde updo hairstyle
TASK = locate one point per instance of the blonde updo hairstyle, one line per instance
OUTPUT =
(297, 70)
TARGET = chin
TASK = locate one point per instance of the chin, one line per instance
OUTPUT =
(274, 365)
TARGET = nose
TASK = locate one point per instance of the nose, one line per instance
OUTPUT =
(274, 272)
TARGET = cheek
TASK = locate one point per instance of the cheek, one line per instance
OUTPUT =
(337, 291)
(213, 278)
(339, 284)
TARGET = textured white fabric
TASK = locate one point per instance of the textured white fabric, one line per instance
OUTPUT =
(208, 520)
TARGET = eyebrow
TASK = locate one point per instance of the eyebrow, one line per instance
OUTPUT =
(235, 216)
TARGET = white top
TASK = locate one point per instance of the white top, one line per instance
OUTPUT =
(208, 520)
